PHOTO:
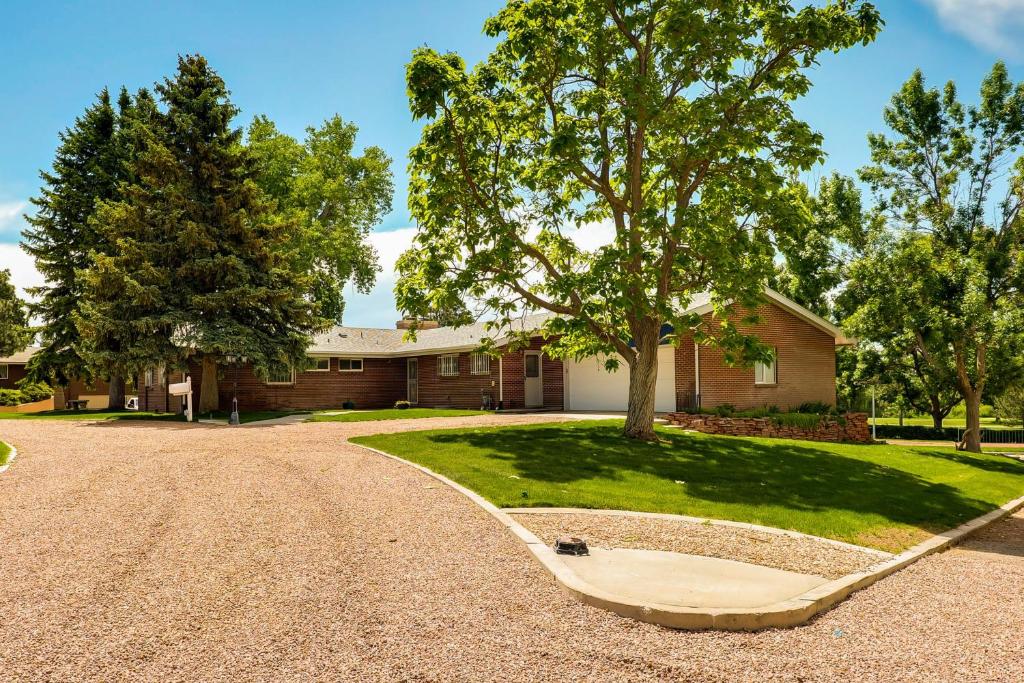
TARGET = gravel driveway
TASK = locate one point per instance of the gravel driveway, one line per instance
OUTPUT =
(149, 551)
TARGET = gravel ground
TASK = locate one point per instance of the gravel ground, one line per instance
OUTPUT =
(804, 555)
(169, 552)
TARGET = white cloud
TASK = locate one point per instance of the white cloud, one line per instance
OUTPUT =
(22, 267)
(10, 215)
(993, 25)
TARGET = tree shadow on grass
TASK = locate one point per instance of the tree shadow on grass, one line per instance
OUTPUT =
(729, 470)
(990, 464)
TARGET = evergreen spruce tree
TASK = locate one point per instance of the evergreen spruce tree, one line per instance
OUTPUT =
(199, 266)
(14, 331)
(87, 169)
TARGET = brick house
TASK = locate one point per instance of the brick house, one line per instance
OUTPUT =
(373, 368)
(13, 370)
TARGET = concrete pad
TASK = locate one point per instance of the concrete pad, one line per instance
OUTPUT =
(656, 576)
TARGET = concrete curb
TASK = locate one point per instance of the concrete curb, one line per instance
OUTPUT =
(784, 614)
(697, 520)
(10, 457)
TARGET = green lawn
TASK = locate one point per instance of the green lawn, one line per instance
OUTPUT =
(252, 416)
(393, 414)
(986, 422)
(5, 452)
(887, 497)
(90, 415)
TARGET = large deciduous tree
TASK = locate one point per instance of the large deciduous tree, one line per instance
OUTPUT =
(949, 181)
(198, 265)
(332, 196)
(89, 167)
(14, 330)
(669, 120)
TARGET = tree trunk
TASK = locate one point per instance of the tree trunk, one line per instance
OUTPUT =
(972, 436)
(643, 376)
(901, 416)
(115, 394)
(209, 396)
(936, 411)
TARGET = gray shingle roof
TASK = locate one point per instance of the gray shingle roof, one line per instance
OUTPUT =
(21, 357)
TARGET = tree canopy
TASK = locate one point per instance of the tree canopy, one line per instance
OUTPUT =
(670, 122)
(14, 331)
(945, 279)
(197, 265)
(332, 197)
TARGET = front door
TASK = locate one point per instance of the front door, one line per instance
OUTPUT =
(413, 376)
(533, 380)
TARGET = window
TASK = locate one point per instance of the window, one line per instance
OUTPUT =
(448, 366)
(532, 368)
(319, 365)
(480, 364)
(765, 373)
(4, 372)
(149, 377)
(350, 364)
(281, 375)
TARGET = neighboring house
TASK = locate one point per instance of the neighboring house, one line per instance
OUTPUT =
(374, 367)
(12, 370)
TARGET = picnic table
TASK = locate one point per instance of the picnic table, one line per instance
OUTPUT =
(76, 404)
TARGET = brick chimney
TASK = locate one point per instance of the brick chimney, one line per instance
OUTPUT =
(406, 323)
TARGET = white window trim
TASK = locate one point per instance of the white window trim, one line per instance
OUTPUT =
(362, 364)
(760, 371)
(5, 371)
(283, 384)
(316, 369)
(443, 360)
(479, 358)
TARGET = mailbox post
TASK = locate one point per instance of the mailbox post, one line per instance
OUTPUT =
(183, 389)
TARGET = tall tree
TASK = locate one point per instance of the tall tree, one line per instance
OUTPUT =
(814, 260)
(14, 331)
(670, 120)
(956, 249)
(88, 168)
(333, 197)
(199, 265)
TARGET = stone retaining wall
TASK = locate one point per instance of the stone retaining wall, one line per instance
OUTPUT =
(852, 427)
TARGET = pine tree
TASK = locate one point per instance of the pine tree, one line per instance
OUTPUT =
(200, 266)
(86, 169)
(14, 331)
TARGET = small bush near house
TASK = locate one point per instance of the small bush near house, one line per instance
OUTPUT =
(814, 408)
(724, 410)
(10, 397)
(349, 405)
(402, 405)
(36, 391)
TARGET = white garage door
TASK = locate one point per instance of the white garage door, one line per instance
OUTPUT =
(590, 387)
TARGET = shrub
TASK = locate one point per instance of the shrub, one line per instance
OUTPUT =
(402, 405)
(349, 405)
(814, 408)
(802, 420)
(725, 410)
(37, 391)
(10, 397)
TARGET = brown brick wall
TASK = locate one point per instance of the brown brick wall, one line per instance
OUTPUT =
(805, 366)
(15, 373)
(464, 391)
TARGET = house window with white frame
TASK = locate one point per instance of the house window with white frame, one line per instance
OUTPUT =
(480, 364)
(766, 373)
(4, 371)
(448, 365)
(281, 375)
(350, 365)
(148, 380)
(319, 365)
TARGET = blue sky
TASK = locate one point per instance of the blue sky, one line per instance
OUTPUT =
(301, 62)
